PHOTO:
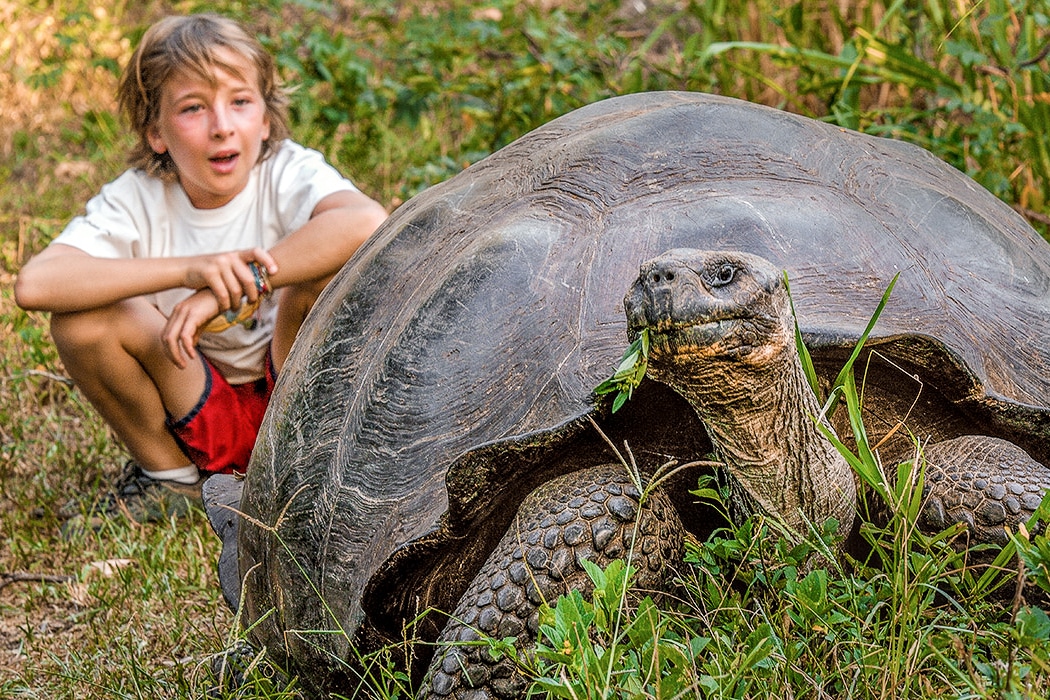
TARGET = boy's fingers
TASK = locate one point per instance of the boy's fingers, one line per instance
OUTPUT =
(248, 288)
(189, 353)
(263, 257)
(173, 346)
(180, 337)
(185, 350)
(239, 284)
(171, 349)
(231, 289)
(221, 292)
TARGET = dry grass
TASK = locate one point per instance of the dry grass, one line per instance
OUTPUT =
(129, 597)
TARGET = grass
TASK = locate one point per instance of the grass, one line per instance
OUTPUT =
(134, 612)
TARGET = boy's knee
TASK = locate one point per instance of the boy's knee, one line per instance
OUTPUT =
(75, 329)
(95, 328)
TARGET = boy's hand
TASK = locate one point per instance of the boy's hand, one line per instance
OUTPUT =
(182, 331)
(228, 276)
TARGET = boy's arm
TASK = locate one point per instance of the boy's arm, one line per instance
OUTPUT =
(62, 278)
(338, 225)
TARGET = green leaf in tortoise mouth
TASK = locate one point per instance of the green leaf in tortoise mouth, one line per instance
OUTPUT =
(629, 373)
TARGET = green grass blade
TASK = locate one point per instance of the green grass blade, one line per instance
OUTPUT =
(803, 352)
(847, 369)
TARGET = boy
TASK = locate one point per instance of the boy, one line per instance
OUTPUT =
(219, 210)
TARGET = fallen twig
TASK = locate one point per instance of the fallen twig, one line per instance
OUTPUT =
(7, 579)
(48, 375)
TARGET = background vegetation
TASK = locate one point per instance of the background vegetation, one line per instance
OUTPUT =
(401, 95)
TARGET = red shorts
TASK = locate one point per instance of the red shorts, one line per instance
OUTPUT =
(219, 433)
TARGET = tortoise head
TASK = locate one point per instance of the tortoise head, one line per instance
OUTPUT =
(706, 309)
(722, 336)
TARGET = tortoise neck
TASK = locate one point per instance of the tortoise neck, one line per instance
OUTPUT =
(763, 427)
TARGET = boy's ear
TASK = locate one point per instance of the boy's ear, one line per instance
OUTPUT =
(156, 142)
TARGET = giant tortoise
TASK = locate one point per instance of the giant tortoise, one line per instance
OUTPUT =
(449, 369)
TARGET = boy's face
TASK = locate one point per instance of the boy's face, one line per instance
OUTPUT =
(213, 132)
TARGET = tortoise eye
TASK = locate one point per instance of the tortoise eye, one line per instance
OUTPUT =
(723, 276)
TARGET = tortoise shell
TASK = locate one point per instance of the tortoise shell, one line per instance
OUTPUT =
(450, 366)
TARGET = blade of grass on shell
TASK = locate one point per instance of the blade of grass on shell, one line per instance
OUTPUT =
(803, 351)
(847, 369)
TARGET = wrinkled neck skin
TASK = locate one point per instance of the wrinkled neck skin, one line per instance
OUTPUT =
(759, 416)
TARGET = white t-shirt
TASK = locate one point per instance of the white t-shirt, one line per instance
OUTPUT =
(139, 216)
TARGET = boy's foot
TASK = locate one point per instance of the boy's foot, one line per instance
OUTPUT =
(136, 496)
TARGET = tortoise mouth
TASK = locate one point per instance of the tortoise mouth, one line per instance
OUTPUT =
(672, 337)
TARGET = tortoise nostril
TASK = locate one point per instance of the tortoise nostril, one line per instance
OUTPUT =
(658, 277)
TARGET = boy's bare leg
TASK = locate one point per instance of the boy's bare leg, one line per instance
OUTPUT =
(115, 356)
(293, 305)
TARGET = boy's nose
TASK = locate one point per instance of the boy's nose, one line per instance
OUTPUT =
(220, 126)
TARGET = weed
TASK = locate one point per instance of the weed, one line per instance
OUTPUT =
(629, 373)
(602, 647)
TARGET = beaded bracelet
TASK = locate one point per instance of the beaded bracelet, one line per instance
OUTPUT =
(245, 315)
(262, 278)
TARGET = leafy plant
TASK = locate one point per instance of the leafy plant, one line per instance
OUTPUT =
(967, 81)
(605, 647)
(629, 373)
(1034, 549)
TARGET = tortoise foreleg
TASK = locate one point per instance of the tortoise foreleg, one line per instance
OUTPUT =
(987, 483)
(584, 515)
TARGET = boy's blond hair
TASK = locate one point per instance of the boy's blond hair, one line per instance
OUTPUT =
(192, 43)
